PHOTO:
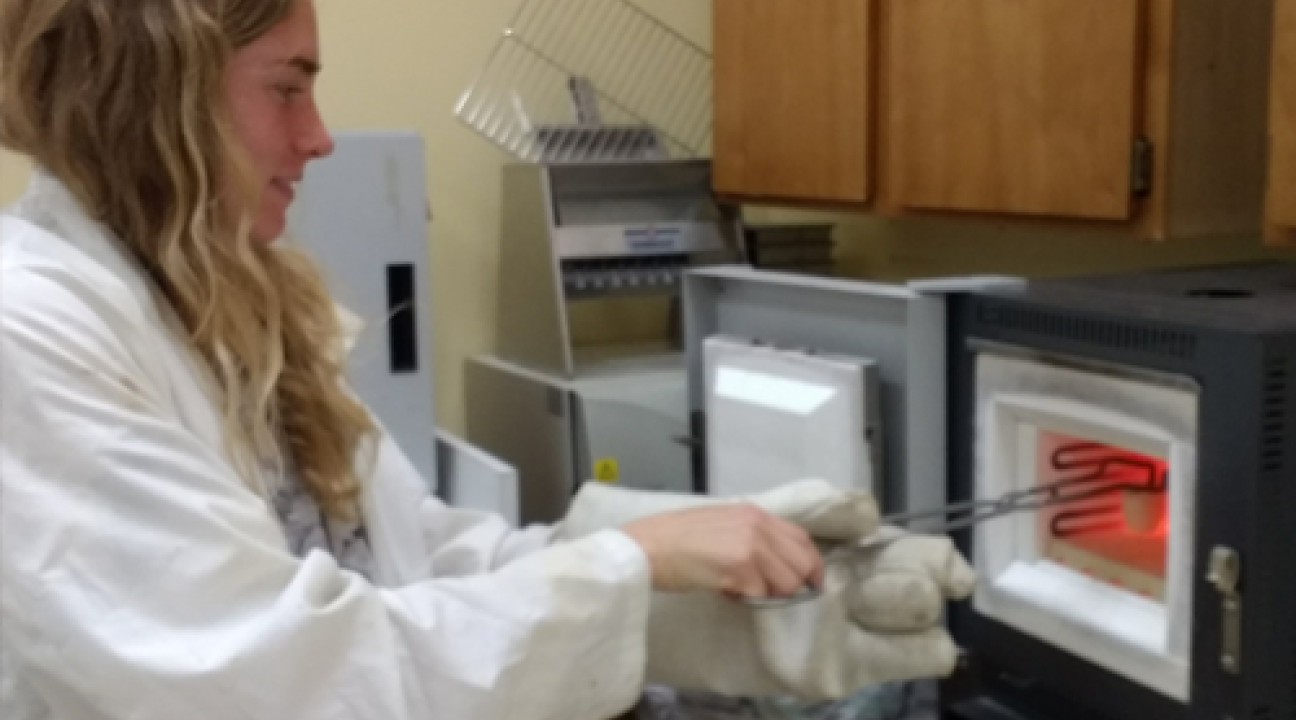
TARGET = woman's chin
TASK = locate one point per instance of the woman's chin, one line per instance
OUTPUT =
(268, 229)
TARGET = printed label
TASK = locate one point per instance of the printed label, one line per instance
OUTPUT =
(652, 239)
(606, 470)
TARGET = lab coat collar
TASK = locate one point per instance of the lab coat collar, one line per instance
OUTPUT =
(50, 205)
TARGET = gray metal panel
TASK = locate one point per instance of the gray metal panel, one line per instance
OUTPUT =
(472, 478)
(925, 397)
(545, 269)
(554, 430)
(524, 418)
(359, 212)
(636, 419)
(531, 320)
(902, 330)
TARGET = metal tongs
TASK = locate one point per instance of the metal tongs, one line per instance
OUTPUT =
(1101, 477)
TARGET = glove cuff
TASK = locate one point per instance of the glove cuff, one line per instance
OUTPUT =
(602, 507)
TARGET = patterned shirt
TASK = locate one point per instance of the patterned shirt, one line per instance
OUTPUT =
(306, 528)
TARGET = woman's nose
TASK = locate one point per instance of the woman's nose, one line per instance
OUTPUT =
(324, 145)
(317, 140)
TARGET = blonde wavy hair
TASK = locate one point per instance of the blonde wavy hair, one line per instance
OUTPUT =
(124, 102)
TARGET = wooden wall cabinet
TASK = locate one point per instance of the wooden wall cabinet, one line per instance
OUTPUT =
(1138, 117)
(1027, 107)
(1282, 128)
(794, 99)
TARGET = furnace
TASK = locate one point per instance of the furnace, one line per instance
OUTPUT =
(1153, 418)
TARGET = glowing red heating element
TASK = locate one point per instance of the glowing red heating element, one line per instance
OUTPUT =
(1119, 533)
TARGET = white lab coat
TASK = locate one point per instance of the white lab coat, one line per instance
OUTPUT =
(142, 579)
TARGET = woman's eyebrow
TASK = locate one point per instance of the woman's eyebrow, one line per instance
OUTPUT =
(302, 63)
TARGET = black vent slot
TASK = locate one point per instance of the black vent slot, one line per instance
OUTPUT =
(1274, 423)
(402, 324)
(1091, 331)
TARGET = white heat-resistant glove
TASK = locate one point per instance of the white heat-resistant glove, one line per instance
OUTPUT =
(821, 509)
(877, 619)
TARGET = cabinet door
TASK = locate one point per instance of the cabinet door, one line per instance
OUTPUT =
(793, 95)
(1282, 164)
(1014, 106)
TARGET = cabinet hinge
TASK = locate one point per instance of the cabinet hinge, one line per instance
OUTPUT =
(1142, 167)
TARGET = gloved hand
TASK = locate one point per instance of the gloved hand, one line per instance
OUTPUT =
(877, 619)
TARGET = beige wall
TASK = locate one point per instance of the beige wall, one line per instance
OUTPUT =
(13, 176)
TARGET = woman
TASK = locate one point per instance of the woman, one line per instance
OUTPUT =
(199, 520)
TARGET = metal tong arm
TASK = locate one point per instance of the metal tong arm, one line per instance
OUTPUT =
(1096, 482)
(963, 515)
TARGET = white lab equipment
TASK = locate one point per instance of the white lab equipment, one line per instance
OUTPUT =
(624, 425)
(774, 414)
(896, 330)
(363, 214)
(566, 397)
(582, 236)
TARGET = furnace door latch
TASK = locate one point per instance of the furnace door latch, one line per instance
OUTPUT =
(1226, 575)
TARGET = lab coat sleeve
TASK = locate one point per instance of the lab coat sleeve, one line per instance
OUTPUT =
(459, 537)
(142, 580)
(460, 542)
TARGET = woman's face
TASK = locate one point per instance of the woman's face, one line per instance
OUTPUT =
(270, 85)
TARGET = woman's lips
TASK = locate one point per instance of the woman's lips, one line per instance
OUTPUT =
(284, 187)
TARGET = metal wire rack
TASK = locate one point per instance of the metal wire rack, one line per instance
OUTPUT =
(592, 80)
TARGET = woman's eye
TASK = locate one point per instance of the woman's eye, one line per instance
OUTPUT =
(287, 92)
